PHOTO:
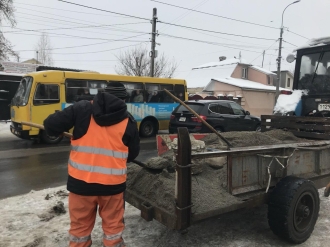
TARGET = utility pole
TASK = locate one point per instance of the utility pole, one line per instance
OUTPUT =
(279, 58)
(153, 42)
(37, 56)
(240, 57)
(280, 55)
(263, 58)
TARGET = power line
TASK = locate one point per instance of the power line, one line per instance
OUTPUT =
(66, 53)
(73, 36)
(298, 34)
(185, 14)
(289, 43)
(113, 29)
(75, 30)
(59, 48)
(86, 22)
(64, 28)
(108, 11)
(264, 51)
(61, 20)
(86, 13)
(224, 17)
(208, 42)
(167, 23)
(258, 45)
(79, 60)
(210, 31)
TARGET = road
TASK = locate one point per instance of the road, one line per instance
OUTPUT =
(26, 166)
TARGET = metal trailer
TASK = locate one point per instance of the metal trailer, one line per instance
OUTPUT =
(284, 176)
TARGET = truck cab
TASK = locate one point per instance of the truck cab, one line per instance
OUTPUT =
(312, 74)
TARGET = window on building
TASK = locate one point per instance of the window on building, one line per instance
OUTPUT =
(245, 73)
(288, 82)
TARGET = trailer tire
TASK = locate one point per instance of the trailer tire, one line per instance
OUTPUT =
(293, 209)
(49, 139)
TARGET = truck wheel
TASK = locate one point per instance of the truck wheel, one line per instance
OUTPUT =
(148, 128)
(293, 209)
(50, 139)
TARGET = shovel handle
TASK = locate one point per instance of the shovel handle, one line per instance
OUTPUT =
(40, 126)
(201, 119)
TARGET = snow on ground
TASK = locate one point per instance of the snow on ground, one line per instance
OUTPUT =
(26, 222)
(288, 103)
(4, 129)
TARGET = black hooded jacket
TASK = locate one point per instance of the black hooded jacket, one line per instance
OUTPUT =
(107, 110)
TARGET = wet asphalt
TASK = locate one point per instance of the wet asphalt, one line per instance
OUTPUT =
(26, 165)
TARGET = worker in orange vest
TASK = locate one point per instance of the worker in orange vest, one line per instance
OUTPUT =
(105, 138)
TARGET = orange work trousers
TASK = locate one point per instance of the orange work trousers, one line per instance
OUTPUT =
(83, 210)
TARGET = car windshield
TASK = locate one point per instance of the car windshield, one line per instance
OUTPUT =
(196, 107)
(315, 73)
(22, 94)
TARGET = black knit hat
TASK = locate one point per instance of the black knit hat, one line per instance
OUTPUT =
(117, 89)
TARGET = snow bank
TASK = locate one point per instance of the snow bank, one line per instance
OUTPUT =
(23, 225)
(288, 103)
(5, 129)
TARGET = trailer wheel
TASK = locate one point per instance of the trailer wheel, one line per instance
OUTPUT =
(293, 209)
(50, 139)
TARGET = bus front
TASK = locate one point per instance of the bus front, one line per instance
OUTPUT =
(20, 109)
(312, 75)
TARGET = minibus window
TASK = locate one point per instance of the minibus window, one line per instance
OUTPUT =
(21, 97)
(46, 94)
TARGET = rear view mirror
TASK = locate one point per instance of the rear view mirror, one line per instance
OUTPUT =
(247, 113)
(290, 58)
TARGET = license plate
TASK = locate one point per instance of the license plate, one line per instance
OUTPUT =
(324, 107)
(182, 119)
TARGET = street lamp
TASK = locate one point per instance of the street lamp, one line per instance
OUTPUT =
(280, 56)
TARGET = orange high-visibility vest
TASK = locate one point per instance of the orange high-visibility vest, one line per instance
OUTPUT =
(100, 156)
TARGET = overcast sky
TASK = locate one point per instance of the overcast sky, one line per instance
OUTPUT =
(99, 46)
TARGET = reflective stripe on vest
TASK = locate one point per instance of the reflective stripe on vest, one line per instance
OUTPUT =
(100, 156)
(103, 151)
(98, 169)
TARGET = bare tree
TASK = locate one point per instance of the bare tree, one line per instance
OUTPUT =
(137, 62)
(44, 49)
(7, 13)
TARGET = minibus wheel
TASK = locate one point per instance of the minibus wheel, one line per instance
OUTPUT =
(50, 139)
(148, 128)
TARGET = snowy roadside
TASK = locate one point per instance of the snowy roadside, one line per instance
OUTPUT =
(5, 129)
(26, 221)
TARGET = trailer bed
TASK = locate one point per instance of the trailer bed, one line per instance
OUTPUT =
(250, 172)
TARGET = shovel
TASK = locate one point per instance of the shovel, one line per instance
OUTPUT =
(139, 163)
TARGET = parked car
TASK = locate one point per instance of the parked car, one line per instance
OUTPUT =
(223, 115)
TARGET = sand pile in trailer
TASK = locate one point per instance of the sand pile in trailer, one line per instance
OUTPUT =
(209, 181)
